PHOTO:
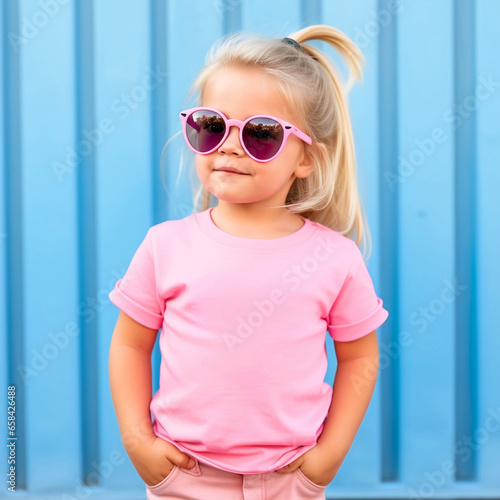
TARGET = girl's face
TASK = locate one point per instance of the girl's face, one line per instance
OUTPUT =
(241, 93)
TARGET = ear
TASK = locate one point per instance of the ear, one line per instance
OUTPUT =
(306, 165)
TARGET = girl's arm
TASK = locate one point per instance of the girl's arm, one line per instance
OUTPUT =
(130, 379)
(131, 390)
(355, 379)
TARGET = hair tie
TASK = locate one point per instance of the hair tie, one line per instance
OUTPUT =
(291, 41)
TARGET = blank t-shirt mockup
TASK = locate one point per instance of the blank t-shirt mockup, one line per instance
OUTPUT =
(243, 328)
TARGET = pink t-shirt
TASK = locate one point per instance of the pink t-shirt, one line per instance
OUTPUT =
(243, 327)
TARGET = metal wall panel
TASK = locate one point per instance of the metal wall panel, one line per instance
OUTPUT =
(90, 95)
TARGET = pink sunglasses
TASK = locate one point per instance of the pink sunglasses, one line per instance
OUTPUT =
(262, 137)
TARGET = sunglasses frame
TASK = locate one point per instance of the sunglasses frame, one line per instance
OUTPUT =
(288, 129)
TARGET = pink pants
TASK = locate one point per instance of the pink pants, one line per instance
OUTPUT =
(204, 482)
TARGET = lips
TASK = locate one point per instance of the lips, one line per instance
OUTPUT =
(229, 169)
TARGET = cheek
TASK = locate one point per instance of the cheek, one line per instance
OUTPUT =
(202, 169)
(208, 179)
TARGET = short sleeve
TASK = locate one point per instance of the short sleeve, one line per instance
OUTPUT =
(136, 294)
(357, 310)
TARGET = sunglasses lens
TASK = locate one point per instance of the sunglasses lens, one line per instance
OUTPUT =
(205, 130)
(263, 137)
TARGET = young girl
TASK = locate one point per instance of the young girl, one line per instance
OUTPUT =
(245, 292)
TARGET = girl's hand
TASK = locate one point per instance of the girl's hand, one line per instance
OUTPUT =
(155, 458)
(317, 464)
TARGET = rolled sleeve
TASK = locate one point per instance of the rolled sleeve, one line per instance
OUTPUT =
(357, 310)
(136, 294)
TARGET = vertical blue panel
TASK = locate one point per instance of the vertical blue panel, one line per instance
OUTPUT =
(231, 14)
(426, 187)
(14, 242)
(386, 21)
(4, 126)
(10, 239)
(465, 234)
(87, 138)
(159, 102)
(48, 223)
(487, 93)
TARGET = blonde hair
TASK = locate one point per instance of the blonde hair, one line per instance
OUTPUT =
(314, 89)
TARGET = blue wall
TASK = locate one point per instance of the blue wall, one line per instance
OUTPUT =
(83, 127)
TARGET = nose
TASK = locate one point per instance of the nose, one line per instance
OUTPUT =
(232, 144)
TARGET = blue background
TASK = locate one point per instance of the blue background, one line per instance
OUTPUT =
(82, 179)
